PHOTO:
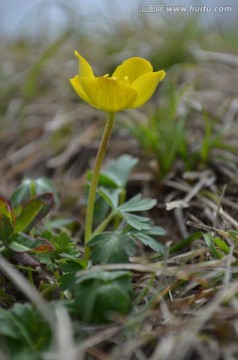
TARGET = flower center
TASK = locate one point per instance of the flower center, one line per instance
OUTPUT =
(125, 80)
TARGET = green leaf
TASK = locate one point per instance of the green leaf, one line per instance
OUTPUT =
(149, 241)
(137, 204)
(135, 221)
(6, 228)
(105, 294)
(110, 196)
(67, 281)
(34, 211)
(118, 170)
(221, 245)
(45, 185)
(6, 210)
(30, 188)
(211, 245)
(20, 242)
(111, 247)
(233, 235)
(62, 243)
(73, 265)
(24, 332)
(156, 230)
(104, 180)
(22, 192)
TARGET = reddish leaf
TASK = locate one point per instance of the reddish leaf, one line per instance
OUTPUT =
(25, 259)
(45, 247)
(5, 209)
(6, 228)
(34, 211)
(22, 243)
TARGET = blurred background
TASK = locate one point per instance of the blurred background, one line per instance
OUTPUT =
(32, 18)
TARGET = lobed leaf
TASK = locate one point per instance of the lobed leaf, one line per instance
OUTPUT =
(112, 247)
(135, 221)
(104, 294)
(149, 241)
(118, 170)
(110, 196)
(137, 204)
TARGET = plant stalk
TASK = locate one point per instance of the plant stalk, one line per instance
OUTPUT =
(94, 182)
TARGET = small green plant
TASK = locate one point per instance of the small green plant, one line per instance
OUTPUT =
(106, 295)
(163, 135)
(166, 136)
(16, 231)
(24, 334)
(130, 86)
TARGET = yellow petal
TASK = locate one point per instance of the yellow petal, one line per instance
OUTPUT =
(145, 87)
(133, 68)
(107, 94)
(84, 67)
(75, 82)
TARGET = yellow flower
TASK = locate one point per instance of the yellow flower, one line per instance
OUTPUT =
(130, 86)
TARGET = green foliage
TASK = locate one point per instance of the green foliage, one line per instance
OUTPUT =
(146, 236)
(6, 209)
(133, 205)
(136, 204)
(63, 248)
(102, 295)
(6, 228)
(24, 333)
(62, 243)
(31, 85)
(118, 246)
(113, 180)
(69, 268)
(163, 134)
(117, 172)
(20, 243)
(34, 211)
(176, 43)
(233, 234)
(14, 230)
(32, 187)
(217, 246)
(112, 247)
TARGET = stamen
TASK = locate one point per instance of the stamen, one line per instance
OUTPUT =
(126, 80)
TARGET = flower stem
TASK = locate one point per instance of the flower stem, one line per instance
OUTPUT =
(94, 182)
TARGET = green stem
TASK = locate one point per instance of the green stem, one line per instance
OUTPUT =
(48, 289)
(94, 182)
